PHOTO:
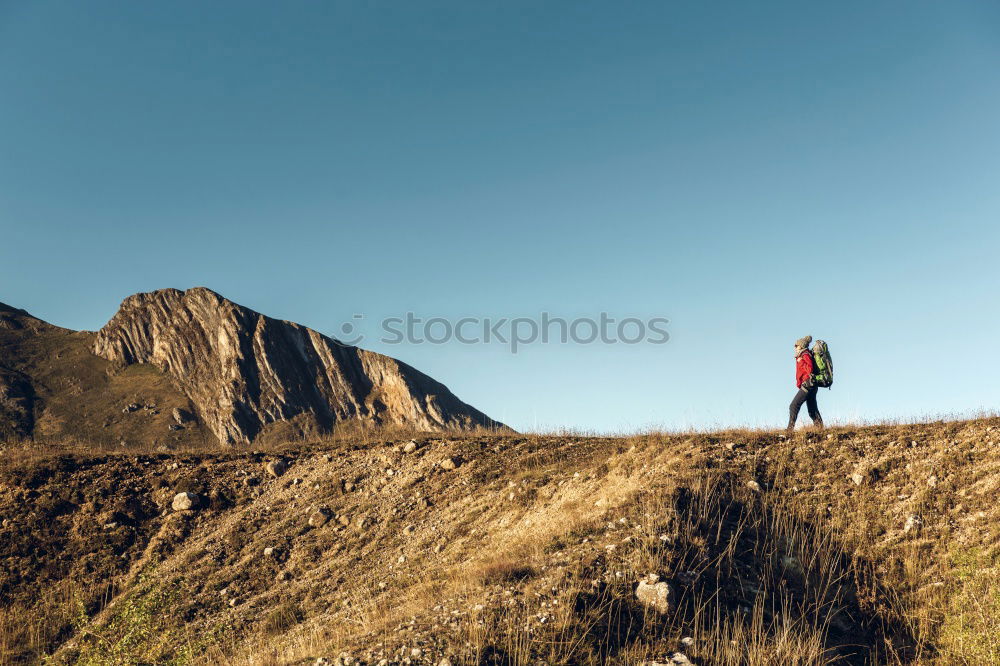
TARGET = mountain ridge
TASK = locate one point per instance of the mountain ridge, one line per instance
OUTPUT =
(240, 373)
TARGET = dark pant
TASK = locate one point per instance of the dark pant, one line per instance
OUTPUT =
(808, 397)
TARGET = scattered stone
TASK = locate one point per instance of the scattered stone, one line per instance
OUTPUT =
(680, 658)
(416, 652)
(913, 523)
(276, 468)
(409, 529)
(932, 481)
(864, 475)
(319, 517)
(687, 641)
(185, 501)
(687, 577)
(753, 485)
(654, 594)
(270, 551)
(449, 464)
(173, 427)
(792, 565)
(181, 416)
(410, 447)
(444, 662)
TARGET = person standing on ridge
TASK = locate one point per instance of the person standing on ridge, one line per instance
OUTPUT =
(804, 366)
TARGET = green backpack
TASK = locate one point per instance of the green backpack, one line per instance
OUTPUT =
(823, 365)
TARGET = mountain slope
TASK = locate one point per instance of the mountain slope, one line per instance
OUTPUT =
(874, 545)
(54, 389)
(244, 371)
(178, 369)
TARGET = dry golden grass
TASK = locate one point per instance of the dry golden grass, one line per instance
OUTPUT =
(531, 551)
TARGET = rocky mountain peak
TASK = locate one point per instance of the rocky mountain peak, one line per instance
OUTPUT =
(244, 371)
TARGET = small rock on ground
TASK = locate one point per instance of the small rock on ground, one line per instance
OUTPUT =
(181, 416)
(319, 517)
(655, 595)
(913, 523)
(185, 501)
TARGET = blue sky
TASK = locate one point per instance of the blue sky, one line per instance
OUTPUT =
(751, 171)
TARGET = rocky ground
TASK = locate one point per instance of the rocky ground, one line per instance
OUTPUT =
(855, 545)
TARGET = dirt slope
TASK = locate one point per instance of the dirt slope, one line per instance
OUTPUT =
(769, 551)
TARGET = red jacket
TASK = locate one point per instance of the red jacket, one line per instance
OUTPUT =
(803, 368)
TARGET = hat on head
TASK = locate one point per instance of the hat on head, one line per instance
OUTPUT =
(804, 342)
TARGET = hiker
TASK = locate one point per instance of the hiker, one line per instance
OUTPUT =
(804, 380)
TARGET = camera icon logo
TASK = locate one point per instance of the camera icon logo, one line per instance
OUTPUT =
(350, 332)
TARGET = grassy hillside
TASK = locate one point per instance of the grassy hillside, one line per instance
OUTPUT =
(855, 546)
(75, 396)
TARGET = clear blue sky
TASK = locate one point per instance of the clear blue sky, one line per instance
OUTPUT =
(752, 171)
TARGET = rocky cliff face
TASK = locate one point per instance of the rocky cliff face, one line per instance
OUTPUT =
(243, 371)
